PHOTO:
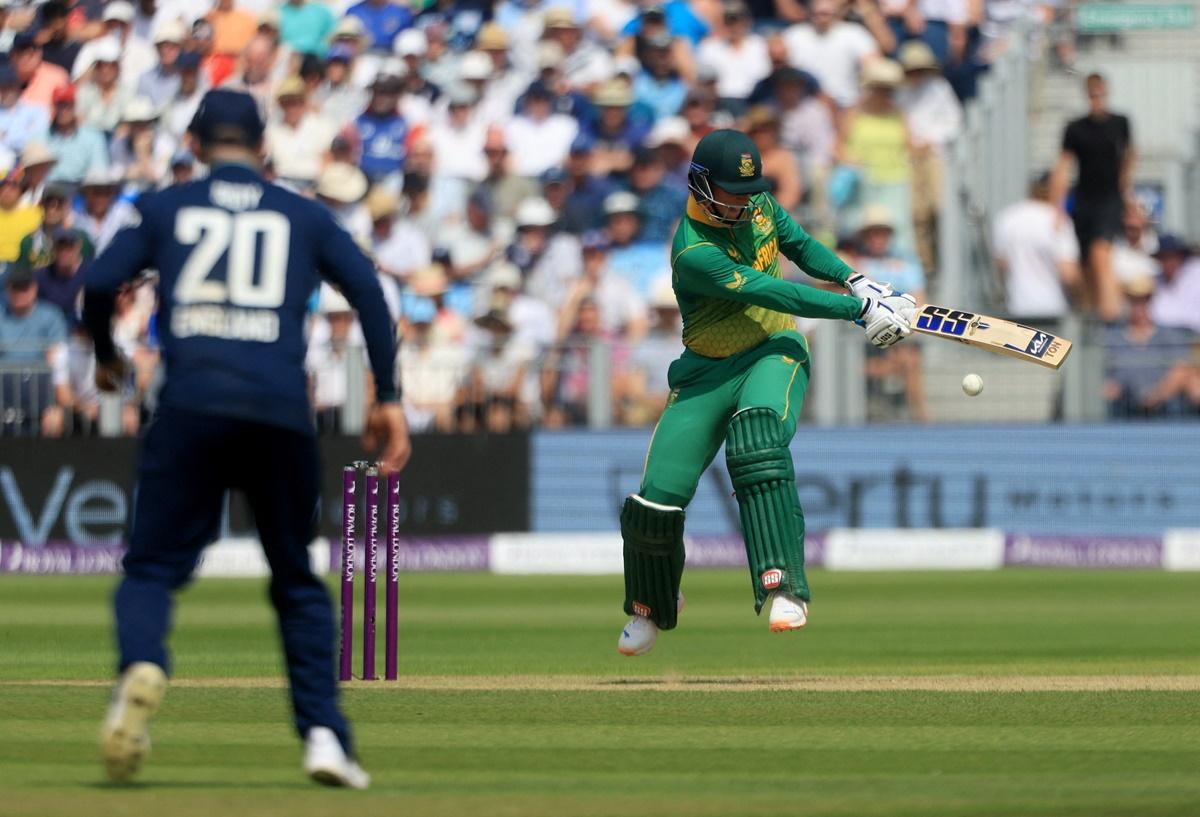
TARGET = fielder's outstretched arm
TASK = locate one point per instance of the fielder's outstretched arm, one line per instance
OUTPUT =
(705, 270)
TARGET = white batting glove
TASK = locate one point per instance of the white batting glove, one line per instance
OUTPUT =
(861, 286)
(887, 320)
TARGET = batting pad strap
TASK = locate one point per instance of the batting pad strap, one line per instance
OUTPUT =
(654, 556)
(760, 468)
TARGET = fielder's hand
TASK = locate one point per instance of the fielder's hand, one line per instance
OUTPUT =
(387, 428)
(110, 375)
(887, 320)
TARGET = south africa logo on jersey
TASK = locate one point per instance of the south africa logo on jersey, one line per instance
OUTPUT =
(761, 222)
(746, 168)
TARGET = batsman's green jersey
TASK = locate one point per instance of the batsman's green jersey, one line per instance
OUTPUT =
(742, 347)
(727, 280)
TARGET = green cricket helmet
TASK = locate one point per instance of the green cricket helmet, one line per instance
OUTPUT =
(729, 160)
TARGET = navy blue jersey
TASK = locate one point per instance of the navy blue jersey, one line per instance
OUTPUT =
(238, 259)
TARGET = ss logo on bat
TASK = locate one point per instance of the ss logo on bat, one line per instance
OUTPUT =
(945, 321)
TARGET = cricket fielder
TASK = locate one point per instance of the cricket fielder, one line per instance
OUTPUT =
(238, 259)
(740, 381)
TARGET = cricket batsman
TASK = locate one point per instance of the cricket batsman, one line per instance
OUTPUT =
(740, 381)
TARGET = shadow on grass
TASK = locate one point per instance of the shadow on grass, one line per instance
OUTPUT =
(195, 785)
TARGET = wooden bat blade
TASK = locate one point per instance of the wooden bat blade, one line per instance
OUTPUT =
(993, 334)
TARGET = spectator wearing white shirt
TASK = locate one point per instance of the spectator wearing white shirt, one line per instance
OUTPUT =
(338, 98)
(103, 213)
(934, 117)
(738, 55)
(533, 320)
(549, 261)
(141, 152)
(103, 96)
(181, 108)
(458, 136)
(1131, 253)
(1176, 301)
(298, 145)
(538, 137)
(400, 246)
(584, 63)
(622, 309)
(504, 83)
(341, 187)
(137, 55)
(432, 371)
(334, 334)
(832, 50)
(1037, 254)
(162, 83)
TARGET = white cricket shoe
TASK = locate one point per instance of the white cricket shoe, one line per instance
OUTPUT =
(325, 761)
(787, 612)
(125, 737)
(640, 634)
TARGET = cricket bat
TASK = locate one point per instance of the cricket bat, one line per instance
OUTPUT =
(993, 334)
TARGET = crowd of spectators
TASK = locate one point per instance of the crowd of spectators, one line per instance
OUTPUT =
(516, 169)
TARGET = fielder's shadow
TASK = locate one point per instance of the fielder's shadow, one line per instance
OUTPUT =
(184, 785)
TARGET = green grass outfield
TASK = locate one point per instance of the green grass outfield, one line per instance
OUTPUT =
(1017, 693)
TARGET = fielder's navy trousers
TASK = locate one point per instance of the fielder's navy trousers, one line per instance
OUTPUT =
(186, 464)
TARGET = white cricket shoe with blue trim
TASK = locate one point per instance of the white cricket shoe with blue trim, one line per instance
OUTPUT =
(787, 612)
(640, 635)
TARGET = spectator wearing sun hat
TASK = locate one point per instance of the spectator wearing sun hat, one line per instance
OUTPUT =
(505, 81)
(299, 142)
(104, 213)
(162, 83)
(36, 162)
(399, 245)
(79, 149)
(934, 117)
(584, 62)
(341, 187)
(549, 259)
(102, 95)
(875, 141)
(140, 151)
(1148, 364)
(616, 130)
